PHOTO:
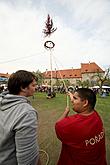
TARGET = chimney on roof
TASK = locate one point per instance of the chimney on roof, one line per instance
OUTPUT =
(46, 71)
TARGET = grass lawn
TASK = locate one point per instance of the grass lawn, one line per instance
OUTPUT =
(50, 110)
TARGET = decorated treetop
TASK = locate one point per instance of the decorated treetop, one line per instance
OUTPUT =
(49, 29)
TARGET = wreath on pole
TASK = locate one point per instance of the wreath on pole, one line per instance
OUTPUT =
(49, 44)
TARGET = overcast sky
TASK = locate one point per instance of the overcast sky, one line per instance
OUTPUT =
(82, 35)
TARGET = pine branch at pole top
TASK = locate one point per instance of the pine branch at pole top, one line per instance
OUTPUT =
(49, 29)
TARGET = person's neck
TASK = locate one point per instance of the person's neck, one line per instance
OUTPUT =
(87, 112)
(22, 94)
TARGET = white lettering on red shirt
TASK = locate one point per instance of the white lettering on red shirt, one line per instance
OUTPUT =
(95, 139)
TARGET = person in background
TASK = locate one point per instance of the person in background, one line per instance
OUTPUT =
(19, 122)
(82, 134)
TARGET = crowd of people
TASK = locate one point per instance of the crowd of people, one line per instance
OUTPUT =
(46, 88)
(82, 134)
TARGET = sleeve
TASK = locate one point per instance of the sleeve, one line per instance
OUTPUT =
(26, 133)
(62, 130)
(65, 130)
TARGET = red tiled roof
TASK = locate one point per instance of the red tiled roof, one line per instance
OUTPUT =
(74, 73)
(90, 68)
(4, 75)
(68, 73)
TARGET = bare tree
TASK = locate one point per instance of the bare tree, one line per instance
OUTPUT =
(102, 78)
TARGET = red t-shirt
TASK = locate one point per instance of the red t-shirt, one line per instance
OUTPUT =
(83, 140)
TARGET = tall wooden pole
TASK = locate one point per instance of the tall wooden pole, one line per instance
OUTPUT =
(51, 81)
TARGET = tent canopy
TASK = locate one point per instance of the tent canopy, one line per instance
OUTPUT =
(103, 87)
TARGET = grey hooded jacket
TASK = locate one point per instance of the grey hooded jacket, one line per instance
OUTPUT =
(18, 131)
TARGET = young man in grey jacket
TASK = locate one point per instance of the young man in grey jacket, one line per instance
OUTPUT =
(19, 122)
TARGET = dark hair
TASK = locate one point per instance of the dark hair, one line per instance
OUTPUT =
(21, 78)
(86, 93)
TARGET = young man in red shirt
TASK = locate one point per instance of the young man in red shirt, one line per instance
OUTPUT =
(82, 134)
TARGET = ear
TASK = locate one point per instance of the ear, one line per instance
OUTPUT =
(23, 89)
(85, 103)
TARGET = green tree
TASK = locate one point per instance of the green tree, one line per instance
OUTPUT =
(85, 83)
(40, 77)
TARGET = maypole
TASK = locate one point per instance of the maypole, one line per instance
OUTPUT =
(49, 45)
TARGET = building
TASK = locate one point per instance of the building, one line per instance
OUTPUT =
(4, 77)
(87, 72)
(3, 81)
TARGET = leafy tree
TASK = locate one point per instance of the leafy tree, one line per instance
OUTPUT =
(58, 82)
(39, 76)
(79, 83)
(85, 83)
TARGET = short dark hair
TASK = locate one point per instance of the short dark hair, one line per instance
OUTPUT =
(86, 93)
(20, 78)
